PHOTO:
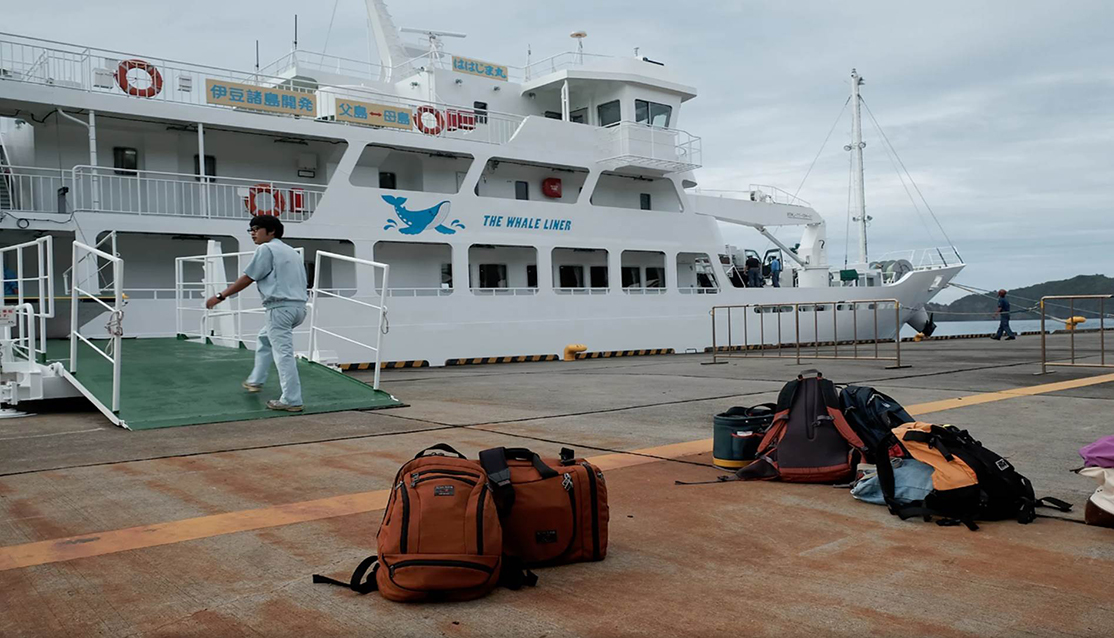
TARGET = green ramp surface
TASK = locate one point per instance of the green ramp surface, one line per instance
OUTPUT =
(170, 382)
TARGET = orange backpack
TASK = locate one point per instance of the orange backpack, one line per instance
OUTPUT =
(553, 511)
(440, 538)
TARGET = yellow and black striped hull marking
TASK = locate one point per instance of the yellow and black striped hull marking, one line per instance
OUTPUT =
(385, 364)
(523, 358)
(607, 354)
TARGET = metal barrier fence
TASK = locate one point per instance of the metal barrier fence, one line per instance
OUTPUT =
(808, 345)
(1071, 313)
(36, 288)
(318, 293)
(116, 330)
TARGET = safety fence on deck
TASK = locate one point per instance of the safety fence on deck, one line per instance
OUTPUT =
(798, 331)
(1076, 359)
(30, 288)
(354, 306)
(112, 351)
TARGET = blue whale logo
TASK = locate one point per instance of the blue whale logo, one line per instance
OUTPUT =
(417, 221)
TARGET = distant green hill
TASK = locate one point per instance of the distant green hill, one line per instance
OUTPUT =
(1027, 297)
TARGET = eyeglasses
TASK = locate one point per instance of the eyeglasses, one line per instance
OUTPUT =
(252, 229)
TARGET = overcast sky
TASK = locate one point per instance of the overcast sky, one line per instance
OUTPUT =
(1002, 111)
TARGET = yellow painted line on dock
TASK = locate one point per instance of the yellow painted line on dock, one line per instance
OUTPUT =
(120, 540)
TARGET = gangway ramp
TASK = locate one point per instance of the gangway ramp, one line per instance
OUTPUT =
(170, 382)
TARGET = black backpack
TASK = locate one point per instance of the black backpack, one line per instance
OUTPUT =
(872, 415)
(996, 492)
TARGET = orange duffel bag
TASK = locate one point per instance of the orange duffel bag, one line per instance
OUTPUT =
(553, 511)
(440, 538)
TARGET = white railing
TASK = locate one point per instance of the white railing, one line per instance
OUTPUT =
(108, 190)
(301, 60)
(706, 290)
(112, 351)
(31, 189)
(379, 272)
(581, 291)
(39, 61)
(24, 344)
(644, 291)
(554, 63)
(632, 143)
(188, 293)
(41, 282)
(756, 193)
(417, 292)
(504, 292)
(925, 258)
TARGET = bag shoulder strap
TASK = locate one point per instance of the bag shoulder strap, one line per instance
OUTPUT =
(354, 584)
(494, 462)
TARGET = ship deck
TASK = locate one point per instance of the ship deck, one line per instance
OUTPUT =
(215, 529)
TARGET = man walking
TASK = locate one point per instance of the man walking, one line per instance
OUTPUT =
(775, 271)
(1003, 313)
(278, 271)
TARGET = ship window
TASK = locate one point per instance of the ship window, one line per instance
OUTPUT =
(644, 201)
(388, 180)
(632, 277)
(580, 116)
(609, 113)
(598, 277)
(553, 115)
(655, 277)
(571, 276)
(125, 160)
(493, 275)
(521, 190)
(532, 276)
(210, 167)
(480, 109)
(446, 275)
(652, 113)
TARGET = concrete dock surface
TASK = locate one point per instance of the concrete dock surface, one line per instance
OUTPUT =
(215, 530)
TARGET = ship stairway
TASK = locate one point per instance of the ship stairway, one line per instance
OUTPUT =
(5, 180)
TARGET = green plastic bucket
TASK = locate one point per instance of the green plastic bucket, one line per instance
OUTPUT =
(737, 434)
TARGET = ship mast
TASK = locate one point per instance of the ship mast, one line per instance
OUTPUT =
(856, 147)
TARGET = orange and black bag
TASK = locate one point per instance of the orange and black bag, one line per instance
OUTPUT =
(440, 538)
(553, 511)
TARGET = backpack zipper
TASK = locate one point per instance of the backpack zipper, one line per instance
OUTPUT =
(480, 521)
(433, 562)
(595, 511)
(414, 481)
(567, 483)
(405, 517)
(415, 475)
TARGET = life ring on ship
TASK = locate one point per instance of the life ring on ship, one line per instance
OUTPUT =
(278, 202)
(423, 127)
(122, 78)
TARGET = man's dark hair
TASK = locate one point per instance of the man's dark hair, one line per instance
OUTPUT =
(267, 223)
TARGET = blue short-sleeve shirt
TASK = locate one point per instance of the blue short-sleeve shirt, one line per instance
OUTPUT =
(280, 274)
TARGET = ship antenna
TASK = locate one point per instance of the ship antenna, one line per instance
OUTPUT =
(579, 36)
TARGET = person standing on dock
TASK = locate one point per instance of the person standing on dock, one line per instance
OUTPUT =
(1003, 313)
(278, 271)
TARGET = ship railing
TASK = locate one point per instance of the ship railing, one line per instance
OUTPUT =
(636, 290)
(580, 291)
(136, 192)
(27, 279)
(554, 63)
(699, 290)
(301, 59)
(40, 61)
(417, 292)
(504, 292)
(925, 258)
(638, 144)
(359, 315)
(795, 331)
(755, 193)
(32, 189)
(111, 351)
(1077, 359)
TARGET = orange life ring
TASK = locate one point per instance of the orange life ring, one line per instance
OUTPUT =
(122, 78)
(419, 121)
(278, 205)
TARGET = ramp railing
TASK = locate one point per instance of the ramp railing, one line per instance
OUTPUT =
(190, 296)
(798, 331)
(35, 288)
(379, 308)
(112, 351)
(1071, 323)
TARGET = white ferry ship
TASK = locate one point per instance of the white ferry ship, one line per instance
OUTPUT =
(520, 209)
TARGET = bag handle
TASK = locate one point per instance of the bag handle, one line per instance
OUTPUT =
(354, 584)
(771, 408)
(440, 447)
(523, 454)
(813, 371)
